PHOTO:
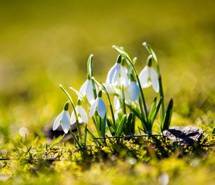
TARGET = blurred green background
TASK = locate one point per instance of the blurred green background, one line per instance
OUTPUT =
(44, 43)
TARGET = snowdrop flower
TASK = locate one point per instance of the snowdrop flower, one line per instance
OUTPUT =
(81, 113)
(99, 106)
(87, 90)
(132, 92)
(117, 75)
(149, 77)
(63, 120)
(116, 103)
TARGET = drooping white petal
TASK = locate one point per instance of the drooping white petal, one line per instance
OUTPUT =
(124, 76)
(101, 108)
(82, 113)
(145, 77)
(93, 108)
(116, 102)
(113, 73)
(154, 79)
(65, 121)
(133, 91)
(83, 88)
(73, 119)
(89, 92)
(56, 123)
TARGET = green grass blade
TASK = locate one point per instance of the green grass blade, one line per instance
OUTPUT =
(168, 115)
(120, 127)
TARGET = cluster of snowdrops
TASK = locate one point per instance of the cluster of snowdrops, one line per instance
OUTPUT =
(124, 91)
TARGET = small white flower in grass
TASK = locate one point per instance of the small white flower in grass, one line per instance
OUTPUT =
(63, 120)
(118, 74)
(149, 77)
(81, 113)
(87, 89)
(98, 106)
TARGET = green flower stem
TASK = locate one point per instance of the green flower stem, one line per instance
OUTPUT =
(123, 99)
(73, 107)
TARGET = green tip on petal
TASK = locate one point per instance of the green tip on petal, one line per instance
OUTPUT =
(66, 106)
(119, 59)
(100, 94)
(79, 102)
(149, 60)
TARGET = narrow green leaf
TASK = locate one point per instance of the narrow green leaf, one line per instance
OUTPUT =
(111, 127)
(85, 135)
(155, 112)
(103, 126)
(168, 116)
(135, 111)
(90, 65)
(130, 124)
(95, 121)
(120, 126)
(152, 109)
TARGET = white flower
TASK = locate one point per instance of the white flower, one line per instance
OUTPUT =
(116, 103)
(148, 76)
(82, 116)
(117, 75)
(87, 90)
(132, 92)
(99, 106)
(63, 120)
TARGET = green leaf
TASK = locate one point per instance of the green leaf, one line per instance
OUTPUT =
(213, 132)
(90, 65)
(111, 127)
(135, 111)
(85, 135)
(154, 110)
(103, 126)
(120, 126)
(138, 114)
(96, 123)
(130, 125)
(168, 115)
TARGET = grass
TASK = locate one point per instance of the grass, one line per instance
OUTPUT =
(47, 43)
